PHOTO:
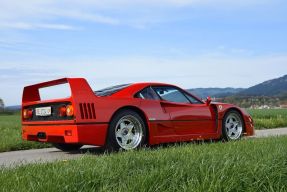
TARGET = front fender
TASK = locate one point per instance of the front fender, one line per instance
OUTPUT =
(223, 108)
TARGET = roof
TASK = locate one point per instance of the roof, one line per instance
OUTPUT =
(132, 89)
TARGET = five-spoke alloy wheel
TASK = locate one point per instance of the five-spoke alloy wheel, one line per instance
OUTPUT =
(127, 131)
(232, 126)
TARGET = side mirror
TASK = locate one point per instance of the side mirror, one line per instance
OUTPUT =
(208, 100)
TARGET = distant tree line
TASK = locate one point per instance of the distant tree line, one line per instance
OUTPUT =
(2, 106)
(252, 102)
(4, 111)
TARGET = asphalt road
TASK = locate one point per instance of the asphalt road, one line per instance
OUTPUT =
(14, 158)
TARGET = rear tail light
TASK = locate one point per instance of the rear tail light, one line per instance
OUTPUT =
(27, 113)
(70, 110)
(66, 111)
(62, 111)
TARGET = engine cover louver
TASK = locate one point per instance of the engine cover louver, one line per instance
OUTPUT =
(87, 111)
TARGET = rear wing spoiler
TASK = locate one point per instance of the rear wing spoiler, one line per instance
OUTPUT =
(80, 89)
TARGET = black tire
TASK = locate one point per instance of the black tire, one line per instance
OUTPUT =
(232, 130)
(115, 143)
(67, 147)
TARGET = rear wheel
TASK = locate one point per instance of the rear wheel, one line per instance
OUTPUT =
(67, 147)
(232, 126)
(127, 131)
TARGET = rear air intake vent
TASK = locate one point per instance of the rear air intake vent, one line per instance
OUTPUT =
(87, 111)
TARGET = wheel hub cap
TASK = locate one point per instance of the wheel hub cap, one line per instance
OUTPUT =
(128, 132)
(233, 126)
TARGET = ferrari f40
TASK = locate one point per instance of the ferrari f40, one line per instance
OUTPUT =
(127, 116)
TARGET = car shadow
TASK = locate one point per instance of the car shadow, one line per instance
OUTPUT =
(94, 150)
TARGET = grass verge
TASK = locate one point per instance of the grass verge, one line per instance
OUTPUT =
(248, 165)
(10, 135)
(269, 118)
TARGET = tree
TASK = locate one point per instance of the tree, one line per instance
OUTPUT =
(2, 105)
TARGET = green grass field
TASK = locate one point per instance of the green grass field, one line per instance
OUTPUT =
(247, 165)
(269, 118)
(10, 135)
(10, 128)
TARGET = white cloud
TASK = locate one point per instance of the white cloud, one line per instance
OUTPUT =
(202, 71)
(124, 4)
(45, 14)
(23, 14)
(55, 26)
(81, 15)
(28, 26)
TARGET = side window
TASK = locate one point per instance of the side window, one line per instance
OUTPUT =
(171, 94)
(192, 99)
(147, 93)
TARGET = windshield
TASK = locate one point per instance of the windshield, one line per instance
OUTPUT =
(110, 90)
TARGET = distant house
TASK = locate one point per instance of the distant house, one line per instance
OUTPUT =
(264, 107)
(283, 106)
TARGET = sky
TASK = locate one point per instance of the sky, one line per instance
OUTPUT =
(190, 43)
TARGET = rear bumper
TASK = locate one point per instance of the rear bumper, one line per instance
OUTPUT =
(87, 134)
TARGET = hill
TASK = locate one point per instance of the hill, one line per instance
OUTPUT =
(271, 93)
(215, 92)
(13, 108)
(272, 88)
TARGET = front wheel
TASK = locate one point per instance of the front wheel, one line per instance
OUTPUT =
(127, 131)
(232, 126)
(67, 147)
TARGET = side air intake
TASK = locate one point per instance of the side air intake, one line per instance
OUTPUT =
(87, 111)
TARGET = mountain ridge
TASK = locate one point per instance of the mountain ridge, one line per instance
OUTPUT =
(273, 87)
(276, 87)
(214, 91)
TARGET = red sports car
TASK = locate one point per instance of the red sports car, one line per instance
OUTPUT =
(127, 116)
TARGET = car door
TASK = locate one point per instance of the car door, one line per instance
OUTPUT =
(188, 114)
(159, 119)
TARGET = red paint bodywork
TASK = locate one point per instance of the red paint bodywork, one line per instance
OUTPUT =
(166, 121)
